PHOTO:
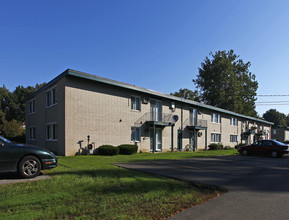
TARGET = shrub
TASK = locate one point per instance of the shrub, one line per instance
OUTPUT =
(215, 146)
(239, 145)
(127, 149)
(108, 150)
(227, 148)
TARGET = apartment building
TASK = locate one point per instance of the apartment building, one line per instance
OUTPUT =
(76, 106)
(280, 133)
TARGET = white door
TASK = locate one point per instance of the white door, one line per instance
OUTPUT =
(158, 139)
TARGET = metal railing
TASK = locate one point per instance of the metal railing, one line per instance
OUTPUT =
(153, 116)
(197, 123)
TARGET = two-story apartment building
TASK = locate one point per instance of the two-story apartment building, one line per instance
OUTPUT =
(72, 106)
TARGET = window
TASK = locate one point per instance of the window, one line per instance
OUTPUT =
(32, 132)
(233, 138)
(32, 107)
(51, 98)
(51, 132)
(135, 103)
(216, 118)
(135, 134)
(234, 121)
(216, 138)
(274, 131)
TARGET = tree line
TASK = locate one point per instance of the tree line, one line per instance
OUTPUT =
(12, 110)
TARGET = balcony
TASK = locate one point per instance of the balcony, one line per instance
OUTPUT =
(199, 124)
(151, 118)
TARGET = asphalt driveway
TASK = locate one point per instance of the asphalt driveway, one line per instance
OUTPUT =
(258, 187)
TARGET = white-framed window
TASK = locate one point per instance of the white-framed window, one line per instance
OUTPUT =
(51, 132)
(216, 118)
(215, 138)
(274, 131)
(233, 138)
(135, 134)
(51, 97)
(234, 122)
(32, 133)
(31, 107)
(135, 103)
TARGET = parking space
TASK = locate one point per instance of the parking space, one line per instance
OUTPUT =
(257, 186)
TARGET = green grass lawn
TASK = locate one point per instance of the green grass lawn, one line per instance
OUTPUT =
(90, 187)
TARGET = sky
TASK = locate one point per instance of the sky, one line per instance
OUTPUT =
(155, 44)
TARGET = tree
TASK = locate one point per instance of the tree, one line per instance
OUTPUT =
(278, 118)
(187, 94)
(225, 81)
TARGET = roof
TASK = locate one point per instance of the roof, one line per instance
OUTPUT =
(70, 72)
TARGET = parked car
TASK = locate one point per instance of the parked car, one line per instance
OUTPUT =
(265, 147)
(26, 160)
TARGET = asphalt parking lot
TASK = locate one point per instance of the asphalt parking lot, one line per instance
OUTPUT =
(258, 187)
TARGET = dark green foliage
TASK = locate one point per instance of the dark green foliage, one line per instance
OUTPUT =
(215, 146)
(108, 150)
(127, 149)
(278, 118)
(18, 139)
(227, 148)
(239, 145)
(226, 82)
(187, 94)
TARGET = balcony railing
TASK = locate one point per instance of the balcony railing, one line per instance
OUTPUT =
(196, 123)
(155, 117)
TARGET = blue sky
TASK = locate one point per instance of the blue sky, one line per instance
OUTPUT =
(156, 44)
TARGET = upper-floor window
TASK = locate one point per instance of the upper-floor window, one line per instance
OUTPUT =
(51, 132)
(32, 107)
(135, 103)
(51, 98)
(234, 122)
(274, 131)
(216, 118)
(135, 134)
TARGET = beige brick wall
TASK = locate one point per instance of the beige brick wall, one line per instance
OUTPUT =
(104, 112)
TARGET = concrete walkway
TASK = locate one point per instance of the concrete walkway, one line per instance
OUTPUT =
(258, 187)
(13, 178)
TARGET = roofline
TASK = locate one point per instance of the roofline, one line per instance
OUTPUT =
(71, 72)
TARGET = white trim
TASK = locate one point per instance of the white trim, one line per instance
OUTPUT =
(49, 91)
(29, 109)
(34, 135)
(215, 137)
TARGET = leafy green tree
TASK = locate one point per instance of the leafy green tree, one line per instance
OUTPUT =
(278, 118)
(187, 94)
(225, 81)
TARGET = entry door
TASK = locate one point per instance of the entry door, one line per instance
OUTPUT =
(158, 139)
(156, 110)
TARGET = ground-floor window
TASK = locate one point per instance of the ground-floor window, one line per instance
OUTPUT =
(32, 132)
(233, 138)
(135, 134)
(51, 132)
(215, 138)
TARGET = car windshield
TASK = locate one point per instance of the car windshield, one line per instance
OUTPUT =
(2, 139)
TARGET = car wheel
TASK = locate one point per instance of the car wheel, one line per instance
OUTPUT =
(29, 167)
(244, 152)
(274, 154)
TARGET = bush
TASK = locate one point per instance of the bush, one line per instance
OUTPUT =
(108, 150)
(227, 148)
(127, 149)
(215, 146)
(239, 145)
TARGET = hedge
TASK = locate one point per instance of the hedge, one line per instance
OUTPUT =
(127, 149)
(239, 145)
(108, 150)
(215, 146)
